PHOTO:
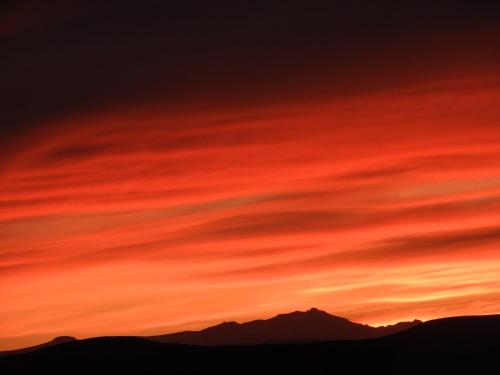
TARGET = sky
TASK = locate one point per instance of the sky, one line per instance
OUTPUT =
(168, 167)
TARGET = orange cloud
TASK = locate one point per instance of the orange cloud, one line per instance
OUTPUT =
(378, 208)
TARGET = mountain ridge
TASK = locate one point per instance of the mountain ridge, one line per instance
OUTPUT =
(302, 326)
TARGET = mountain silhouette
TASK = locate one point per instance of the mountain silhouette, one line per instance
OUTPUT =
(309, 326)
(54, 341)
(467, 345)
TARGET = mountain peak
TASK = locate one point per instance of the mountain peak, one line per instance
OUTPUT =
(315, 310)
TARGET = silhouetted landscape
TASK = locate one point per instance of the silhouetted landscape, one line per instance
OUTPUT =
(309, 326)
(450, 345)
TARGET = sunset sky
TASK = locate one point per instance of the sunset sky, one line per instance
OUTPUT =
(165, 167)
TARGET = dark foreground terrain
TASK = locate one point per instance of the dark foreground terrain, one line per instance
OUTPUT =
(468, 345)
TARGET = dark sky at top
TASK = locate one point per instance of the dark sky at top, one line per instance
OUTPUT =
(61, 57)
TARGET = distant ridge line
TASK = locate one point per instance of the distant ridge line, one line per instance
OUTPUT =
(312, 325)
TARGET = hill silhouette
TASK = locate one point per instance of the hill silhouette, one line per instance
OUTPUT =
(55, 341)
(443, 346)
(308, 326)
